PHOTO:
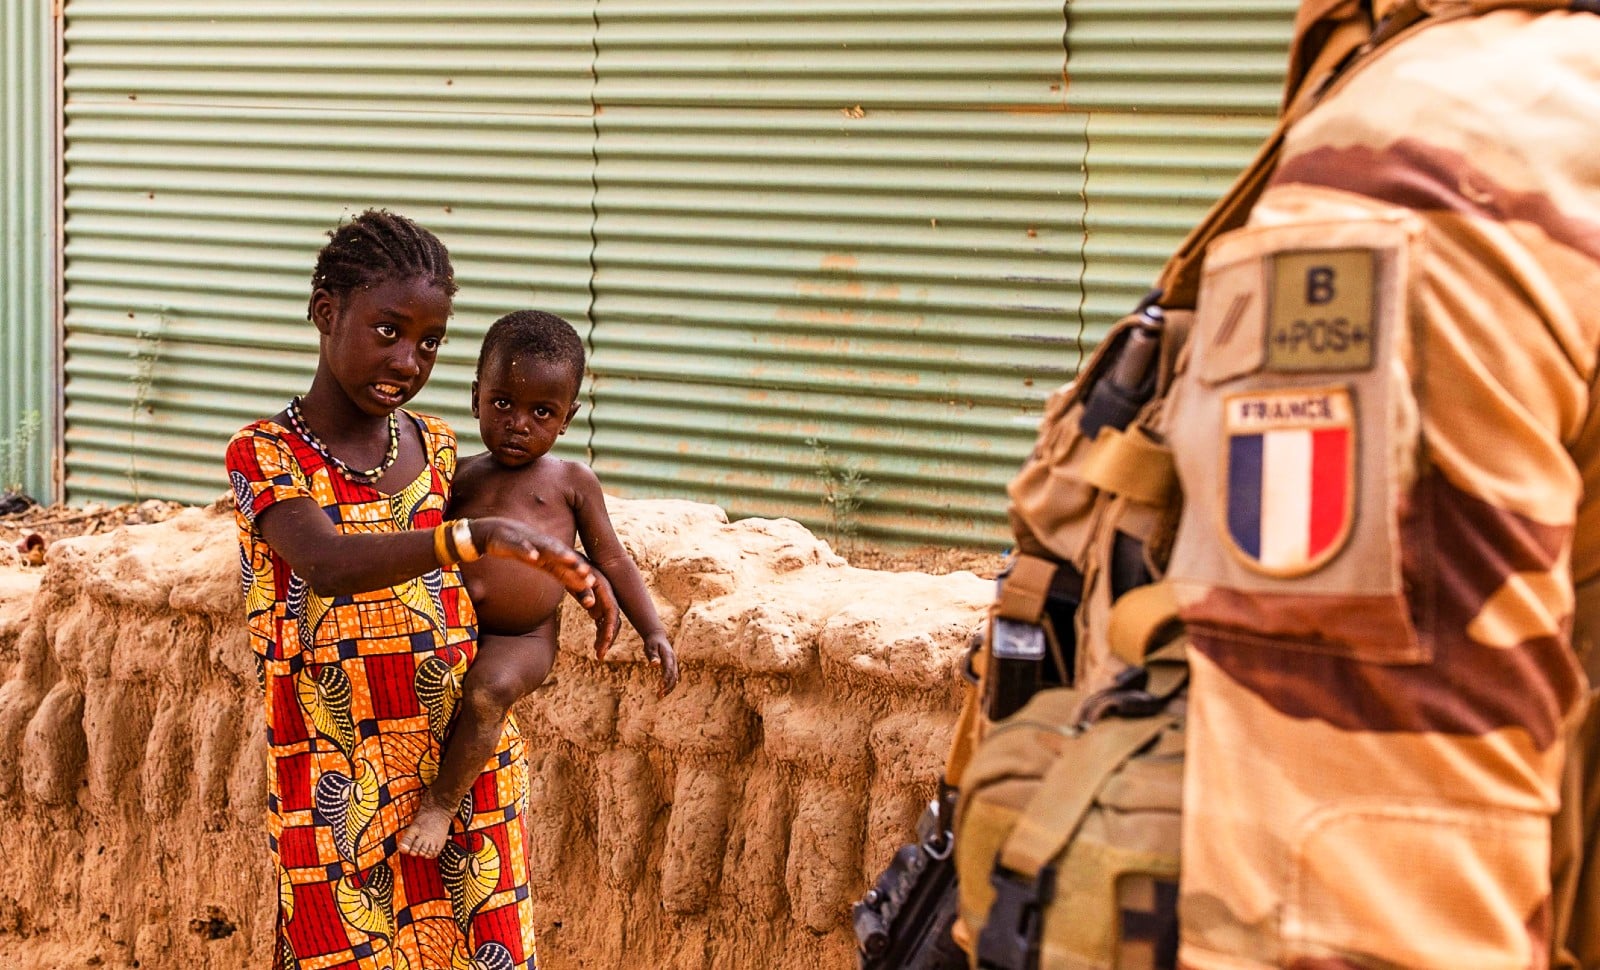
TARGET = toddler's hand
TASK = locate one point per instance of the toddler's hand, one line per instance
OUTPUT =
(601, 605)
(510, 539)
(658, 649)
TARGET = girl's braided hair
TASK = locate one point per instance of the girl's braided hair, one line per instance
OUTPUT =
(380, 245)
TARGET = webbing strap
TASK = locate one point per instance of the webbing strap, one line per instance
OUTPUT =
(1317, 24)
(966, 737)
(1165, 680)
(1129, 463)
(1321, 49)
(1026, 587)
(1137, 617)
(1068, 790)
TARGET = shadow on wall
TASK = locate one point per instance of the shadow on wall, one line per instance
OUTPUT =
(729, 824)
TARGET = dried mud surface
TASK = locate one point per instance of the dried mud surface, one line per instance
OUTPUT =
(727, 825)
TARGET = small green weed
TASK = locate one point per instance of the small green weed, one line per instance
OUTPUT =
(146, 354)
(15, 449)
(842, 488)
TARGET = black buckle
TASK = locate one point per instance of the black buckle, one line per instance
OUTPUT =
(936, 827)
(1122, 703)
(1126, 697)
(1010, 937)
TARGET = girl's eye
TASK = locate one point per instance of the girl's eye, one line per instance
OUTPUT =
(387, 331)
(501, 404)
(542, 413)
(430, 344)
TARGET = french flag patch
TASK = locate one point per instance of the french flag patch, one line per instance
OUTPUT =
(1290, 492)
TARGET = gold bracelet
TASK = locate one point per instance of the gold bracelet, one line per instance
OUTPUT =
(441, 550)
(461, 532)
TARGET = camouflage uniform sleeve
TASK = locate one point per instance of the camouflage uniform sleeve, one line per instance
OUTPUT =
(1385, 439)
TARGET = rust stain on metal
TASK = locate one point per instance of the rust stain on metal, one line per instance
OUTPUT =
(873, 433)
(842, 290)
(826, 318)
(840, 262)
(869, 378)
(808, 341)
(841, 317)
(847, 290)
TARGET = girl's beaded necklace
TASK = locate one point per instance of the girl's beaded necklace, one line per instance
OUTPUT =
(297, 424)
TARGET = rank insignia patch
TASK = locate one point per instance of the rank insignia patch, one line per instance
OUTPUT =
(1290, 482)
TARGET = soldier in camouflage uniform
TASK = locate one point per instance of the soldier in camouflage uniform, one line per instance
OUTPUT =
(1389, 444)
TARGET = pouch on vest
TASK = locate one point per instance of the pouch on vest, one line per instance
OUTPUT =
(1067, 827)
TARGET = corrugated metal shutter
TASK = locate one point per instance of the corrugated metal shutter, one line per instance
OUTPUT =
(858, 227)
(1176, 96)
(209, 147)
(27, 271)
(852, 224)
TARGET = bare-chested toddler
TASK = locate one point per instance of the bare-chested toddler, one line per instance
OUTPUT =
(526, 393)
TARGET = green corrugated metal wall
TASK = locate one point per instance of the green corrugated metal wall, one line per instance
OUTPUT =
(855, 225)
(27, 218)
(209, 148)
(850, 223)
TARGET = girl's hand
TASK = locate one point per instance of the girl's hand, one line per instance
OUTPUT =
(602, 608)
(658, 650)
(510, 539)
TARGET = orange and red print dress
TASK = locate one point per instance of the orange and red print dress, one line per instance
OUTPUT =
(359, 692)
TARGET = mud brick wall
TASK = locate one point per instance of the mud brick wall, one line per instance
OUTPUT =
(729, 824)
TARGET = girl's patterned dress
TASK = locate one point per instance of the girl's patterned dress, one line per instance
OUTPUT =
(359, 693)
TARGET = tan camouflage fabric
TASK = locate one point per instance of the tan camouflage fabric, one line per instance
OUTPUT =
(1389, 448)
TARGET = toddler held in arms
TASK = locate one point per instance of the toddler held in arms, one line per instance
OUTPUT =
(526, 393)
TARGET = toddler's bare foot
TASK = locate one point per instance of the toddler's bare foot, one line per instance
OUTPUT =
(426, 834)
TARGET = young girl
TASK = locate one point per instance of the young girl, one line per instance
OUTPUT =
(357, 615)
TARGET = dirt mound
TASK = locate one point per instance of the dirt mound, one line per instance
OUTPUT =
(52, 522)
(727, 825)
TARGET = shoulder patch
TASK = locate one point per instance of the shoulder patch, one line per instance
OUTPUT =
(1322, 314)
(1289, 489)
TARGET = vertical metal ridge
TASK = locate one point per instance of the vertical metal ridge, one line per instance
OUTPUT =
(27, 107)
(1083, 190)
(594, 224)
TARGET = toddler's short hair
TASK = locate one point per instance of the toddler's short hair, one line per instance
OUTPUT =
(536, 334)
